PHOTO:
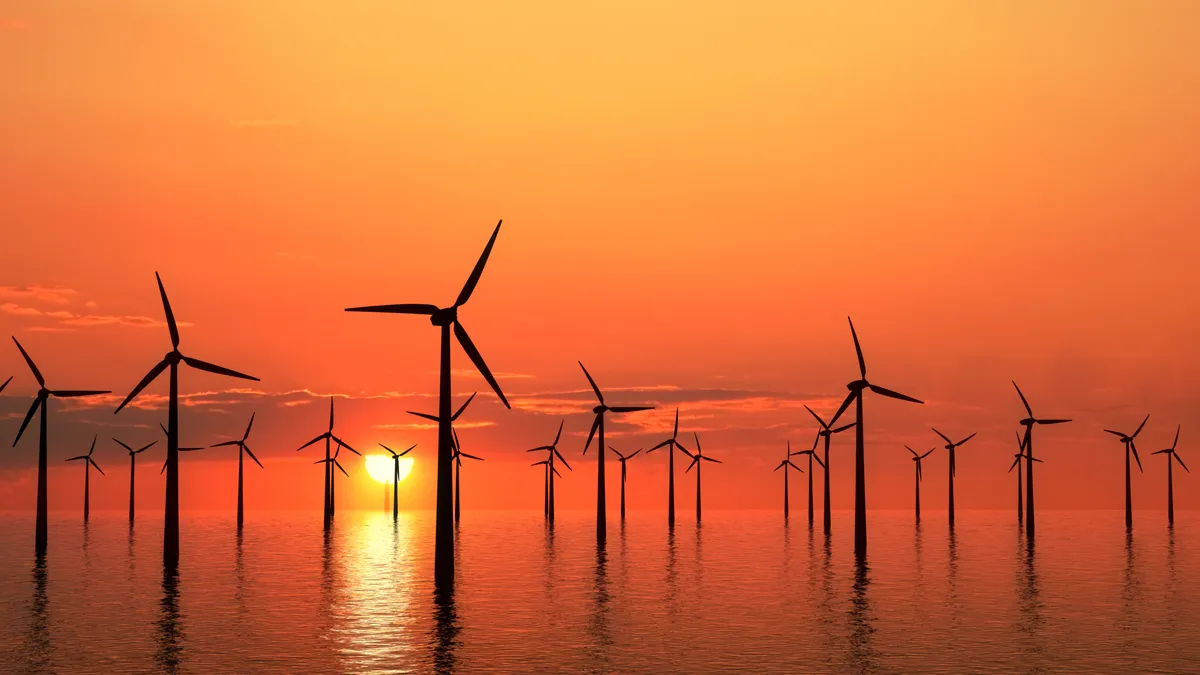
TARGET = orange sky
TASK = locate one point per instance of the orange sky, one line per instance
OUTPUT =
(694, 199)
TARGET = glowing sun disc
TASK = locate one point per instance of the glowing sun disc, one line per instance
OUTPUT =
(380, 467)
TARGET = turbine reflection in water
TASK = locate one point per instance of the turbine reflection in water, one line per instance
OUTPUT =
(170, 625)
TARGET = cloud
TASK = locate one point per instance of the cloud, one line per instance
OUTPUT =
(66, 318)
(16, 310)
(51, 294)
(433, 425)
(265, 123)
(471, 372)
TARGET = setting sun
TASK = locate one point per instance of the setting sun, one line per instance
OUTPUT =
(381, 467)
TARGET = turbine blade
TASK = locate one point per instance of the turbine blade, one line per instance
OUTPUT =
(248, 426)
(1180, 460)
(254, 458)
(699, 450)
(685, 451)
(1159, 452)
(660, 445)
(862, 364)
(463, 407)
(1139, 429)
(631, 408)
(559, 434)
(622, 457)
(1035, 459)
(224, 444)
(710, 459)
(556, 473)
(689, 467)
(425, 416)
(37, 374)
(154, 372)
(213, 368)
(123, 445)
(845, 404)
(595, 425)
(1015, 463)
(675, 433)
(1023, 401)
(72, 459)
(841, 429)
(388, 449)
(1052, 421)
(473, 353)
(540, 448)
(1135, 455)
(76, 393)
(164, 429)
(599, 396)
(818, 417)
(920, 473)
(472, 280)
(635, 452)
(822, 464)
(346, 445)
(914, 452)
(795, 467)
(944, 437)
(102, 470)
(146, 447)
(1176, 441)
(564, 459)
(410, 449)
(966, 439)
(2, 386)
(340, 468)
(927, 453)
(1115, 433)
(463, 454)
(28, 416)
(163, 469)
(421, 309)
(318, 438)
(544, 461)
(894, 394)
(167, 310)
(781, 465)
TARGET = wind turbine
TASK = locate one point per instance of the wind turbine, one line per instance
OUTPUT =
(598, 424)
(171, 361)
(671, 443)
(1028, 423)
(41, 401)
(951, 446)
(1172, 455)
(132, 456)
(787, 462)
(917, 458)
(328, 437)
(243, 450)
(813, 455)
(548, 492)
(445, 319)
(623, 459)
(333, 461)
(1130, 447)
(454, 440)
(88, 463)
(548, 476)
(458, 455)
(696, 463)
(1017, 465)
(860, 479)
(396, 478)
(188, 449)
(826, 432)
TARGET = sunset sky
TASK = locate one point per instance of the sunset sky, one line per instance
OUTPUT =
(695, 196)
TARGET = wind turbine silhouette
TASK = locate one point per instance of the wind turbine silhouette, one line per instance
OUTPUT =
(445, 319)
(5, 385)
(623, 459)
(132, 456)
(333, 461)
(396, 478)
(243, 449)
(671, 443)
(1130, 447)
(600, 409)
(88, 463)
(812, 454)
(1172, 455)
(188, 449)
(696, 463)
(1017, 465)
(1028, 423)
(860, 479)
(548, 488)
(787, 462)
(951, 446)
(328, 437)
(917, 458)
(41, 400)
(826, 432)
(454, 447)
(548, 475)
(171, 361)
(458, 455)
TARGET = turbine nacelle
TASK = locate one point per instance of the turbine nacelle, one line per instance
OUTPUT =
(444, 317)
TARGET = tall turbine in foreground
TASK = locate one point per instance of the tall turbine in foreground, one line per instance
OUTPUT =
(243, 450)
(857, 388)
(671, 443)
(826, 432)
(1028, 423)
(88, 463)
(1172, 457)
(172, 361)
(447, 319)
(1130, 447)
(42, 401)
(598, 425)
(951, 446)
(132, 461)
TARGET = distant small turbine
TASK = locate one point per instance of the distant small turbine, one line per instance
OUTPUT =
(243, 449)
(623, 459)
(458, 458)
(333, 461)
(600, 409)
(1028, 423)
(1172, 455)
(951, 446)
(917, 458)
(187, 449)
(826, 432)
(41, 536)
(696, 463)
(1130, 447)
(548, 487)
(88, 463)
(132, 456)
(812, 454)
(396, 478)
(671, 443)
(328, 437)
(785, 464)
(454, 458)
(1017, 465)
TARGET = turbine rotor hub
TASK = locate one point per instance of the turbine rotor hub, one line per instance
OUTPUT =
(600, 409)
(444, 317)
(858, 385)
(1027, 422)
(173, 357)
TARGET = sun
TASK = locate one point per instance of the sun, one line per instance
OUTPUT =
(380, 467)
